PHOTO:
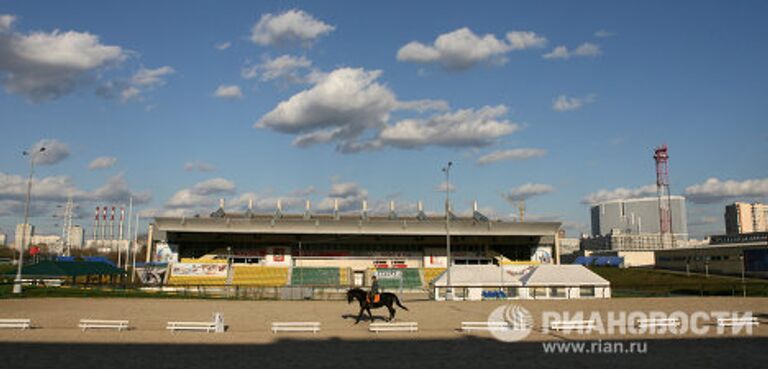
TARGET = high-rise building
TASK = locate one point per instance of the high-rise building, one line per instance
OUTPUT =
(634, 225)
(76, 237)
(637, 216)
(45, 239)
(742, 217)
(3, 237)
(24, 233)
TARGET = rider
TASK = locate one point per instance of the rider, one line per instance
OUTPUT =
(374, 295)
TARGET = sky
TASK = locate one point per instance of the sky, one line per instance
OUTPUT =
(557, 103)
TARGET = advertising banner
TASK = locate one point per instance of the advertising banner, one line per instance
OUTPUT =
(199, 270)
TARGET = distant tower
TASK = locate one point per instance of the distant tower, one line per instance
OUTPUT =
(666, 234)
(96, 225)
(67, 226)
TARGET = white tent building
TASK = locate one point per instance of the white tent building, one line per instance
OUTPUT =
(545, 281)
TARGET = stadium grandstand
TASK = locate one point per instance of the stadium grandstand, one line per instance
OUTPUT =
(335, 250)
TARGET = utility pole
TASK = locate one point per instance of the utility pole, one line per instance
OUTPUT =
(27, 228)
(449, 288)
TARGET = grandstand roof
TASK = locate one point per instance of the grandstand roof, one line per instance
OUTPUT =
(479, 276)
(563, 275)
(69, 269)
(373, 225)
(534, 275)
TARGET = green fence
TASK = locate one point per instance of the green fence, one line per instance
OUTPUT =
(411, 279)
(315, 276)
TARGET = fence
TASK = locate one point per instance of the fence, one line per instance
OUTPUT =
(748, 289)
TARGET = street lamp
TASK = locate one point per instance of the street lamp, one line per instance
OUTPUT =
(449, 288)
(32, 155)
(743, 282)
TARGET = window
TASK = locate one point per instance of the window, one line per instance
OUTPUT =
(539, 292)
(557, 292)
(587, 291)
(512, 292)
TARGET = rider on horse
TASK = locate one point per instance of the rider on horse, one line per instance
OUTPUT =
(374, 295)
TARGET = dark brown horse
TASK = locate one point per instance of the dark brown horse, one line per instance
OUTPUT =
(386, 299)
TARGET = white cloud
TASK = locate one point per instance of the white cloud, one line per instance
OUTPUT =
(198, 166)
(45, 66)
(714, 190)
(102, 162)
(285, 68)
(461, 128)
(214, 186)
(222, 45)
(116, 191)
(513, 154)
(604, 33)
(423, 105)
(130, 93)
(55, 151)
(231, 92)
(566, 103)
(526, 191)
(131, 90)
(151, 77)
(462, 48)
(445, 186)
(349, 195)
(56, 189)
(586, 49)
(559, 52)
(200, 195)
(6, 22)
(340, 106)
(619, 193)
(291, 26)
(519, 40)
(346, 103)
(186, 198)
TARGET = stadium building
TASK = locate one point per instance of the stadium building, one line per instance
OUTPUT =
(339, 250)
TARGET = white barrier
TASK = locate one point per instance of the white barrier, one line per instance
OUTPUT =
(485, 326)
(16, 323)
(191, 326)
(313, 327)
(652, 323)
(571, 325)
(394, 327)
(737, 322)
(86, 324)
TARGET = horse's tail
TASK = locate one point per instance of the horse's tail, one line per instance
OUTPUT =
(397, 301)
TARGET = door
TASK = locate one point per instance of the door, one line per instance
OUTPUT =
(359, 278)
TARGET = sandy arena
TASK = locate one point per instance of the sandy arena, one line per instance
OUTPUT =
(57, 343)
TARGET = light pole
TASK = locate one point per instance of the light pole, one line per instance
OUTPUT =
(449, 288)
(26, 228)
(743, 282)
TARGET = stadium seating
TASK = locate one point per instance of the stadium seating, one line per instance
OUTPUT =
(247, 275)
(431, 273)
(343, 276)
(204, 260)
(195, 280)
(306, 276)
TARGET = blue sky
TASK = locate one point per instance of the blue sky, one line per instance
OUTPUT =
(376, 98)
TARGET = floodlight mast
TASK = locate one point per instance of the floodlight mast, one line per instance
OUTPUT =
(449, 288)
(26, 228)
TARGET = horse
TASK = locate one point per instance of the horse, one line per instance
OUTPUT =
(386, 299)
